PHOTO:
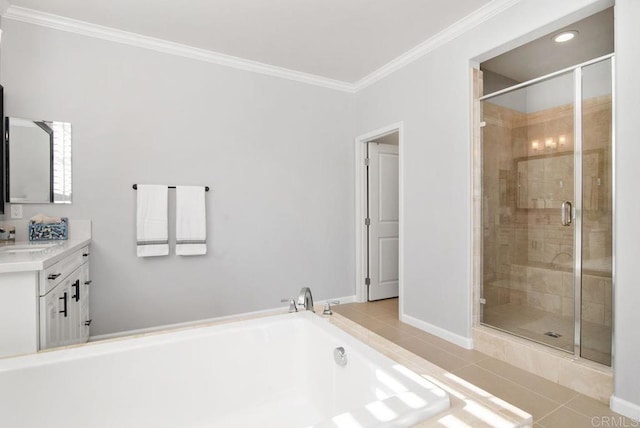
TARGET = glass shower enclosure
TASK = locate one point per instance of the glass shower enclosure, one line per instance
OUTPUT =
(547, 204)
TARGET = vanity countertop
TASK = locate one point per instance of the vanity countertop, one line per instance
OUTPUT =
(17, 257)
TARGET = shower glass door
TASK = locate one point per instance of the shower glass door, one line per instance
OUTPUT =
(527, 211)
(547, 209)
(597, 212)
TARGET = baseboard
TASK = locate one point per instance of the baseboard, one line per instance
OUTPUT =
(456, 339)
(345, 299)
(625, 408)
(264, 312)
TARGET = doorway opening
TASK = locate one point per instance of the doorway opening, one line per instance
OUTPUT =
(379, 215)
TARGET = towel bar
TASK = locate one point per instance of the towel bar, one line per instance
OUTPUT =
(135, 187)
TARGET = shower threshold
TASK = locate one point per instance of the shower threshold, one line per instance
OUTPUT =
(534, 324)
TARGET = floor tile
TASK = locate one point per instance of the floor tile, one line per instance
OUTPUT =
(351, 313)
(390, 317)
(391, 333)
(345, 308)
(372, 324)
(372, 308)
(432, 353)
(469, 355)
(565, 418)
(404, 327)
(594, 408)
(551, 390)
(533, 394)
(535, 404)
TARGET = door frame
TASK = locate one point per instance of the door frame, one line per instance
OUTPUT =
(361, 209)
(576, 70)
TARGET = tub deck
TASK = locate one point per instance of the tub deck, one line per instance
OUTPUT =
(470, 405)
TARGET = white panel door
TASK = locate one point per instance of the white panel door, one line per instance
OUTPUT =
(383, 221)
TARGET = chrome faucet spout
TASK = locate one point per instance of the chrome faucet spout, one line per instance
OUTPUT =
(306, 299)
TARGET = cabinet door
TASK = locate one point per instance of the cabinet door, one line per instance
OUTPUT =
(77, 291)
(49, 320)
(74, 310)
(66, 312)
(54, 314)
(85, 315)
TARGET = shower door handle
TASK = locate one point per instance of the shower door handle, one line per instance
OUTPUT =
(566, 212)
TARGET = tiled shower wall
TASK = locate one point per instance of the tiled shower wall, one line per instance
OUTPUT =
(527, 254)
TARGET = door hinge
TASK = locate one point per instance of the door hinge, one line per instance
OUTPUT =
(483, 124)
(483, 301)
(367, 281)
(367, 221)
(366, 161)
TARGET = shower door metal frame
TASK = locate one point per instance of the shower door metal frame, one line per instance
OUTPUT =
(578, 190)
(577, 213)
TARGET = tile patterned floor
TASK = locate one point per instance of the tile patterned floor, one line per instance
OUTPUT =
(550, 404)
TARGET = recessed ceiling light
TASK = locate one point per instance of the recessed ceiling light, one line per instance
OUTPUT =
(565, 36)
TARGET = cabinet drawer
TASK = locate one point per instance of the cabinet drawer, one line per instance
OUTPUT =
(56, 273)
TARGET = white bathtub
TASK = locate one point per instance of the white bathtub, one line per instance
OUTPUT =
(270, 372)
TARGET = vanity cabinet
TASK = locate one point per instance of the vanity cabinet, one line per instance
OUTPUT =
(44, 304)
(64, 301)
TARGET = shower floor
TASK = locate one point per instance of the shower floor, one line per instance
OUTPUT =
(533, 323)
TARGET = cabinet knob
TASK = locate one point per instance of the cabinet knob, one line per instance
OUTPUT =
(85, 255)
(53, 276)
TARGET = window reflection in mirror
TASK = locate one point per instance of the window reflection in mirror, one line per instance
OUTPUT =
(38, 161)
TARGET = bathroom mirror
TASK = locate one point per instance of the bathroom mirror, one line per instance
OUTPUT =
(37, 161)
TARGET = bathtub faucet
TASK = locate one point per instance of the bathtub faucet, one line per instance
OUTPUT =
(305, 299)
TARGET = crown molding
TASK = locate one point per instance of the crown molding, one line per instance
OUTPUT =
(133, 39)
(470, 21)
(44, 19)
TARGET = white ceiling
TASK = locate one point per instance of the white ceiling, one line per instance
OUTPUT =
(344, 40)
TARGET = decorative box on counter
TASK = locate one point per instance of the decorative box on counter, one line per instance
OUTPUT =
(49, 231)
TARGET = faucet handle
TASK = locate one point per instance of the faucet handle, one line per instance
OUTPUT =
(292, 304)
(327, 307)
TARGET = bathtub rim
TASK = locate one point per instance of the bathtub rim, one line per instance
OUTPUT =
(436, 399)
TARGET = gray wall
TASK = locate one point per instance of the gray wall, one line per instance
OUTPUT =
(627, 270)
(277, 154)
(437, 155)
(433, 97)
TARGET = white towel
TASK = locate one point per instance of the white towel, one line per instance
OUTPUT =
(152, 223)
(191, 225)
